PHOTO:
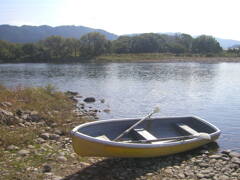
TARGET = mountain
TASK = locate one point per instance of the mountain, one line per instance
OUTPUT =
(24, 34)
(227, 43)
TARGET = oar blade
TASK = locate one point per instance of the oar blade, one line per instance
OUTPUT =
(156, 110)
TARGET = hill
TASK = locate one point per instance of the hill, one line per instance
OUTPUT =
(24, 34)
(227, 43)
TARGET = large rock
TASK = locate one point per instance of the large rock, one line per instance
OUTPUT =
(89, 99)
(8, 118)
(72, 93)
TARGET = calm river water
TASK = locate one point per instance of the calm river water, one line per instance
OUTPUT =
(211, 91)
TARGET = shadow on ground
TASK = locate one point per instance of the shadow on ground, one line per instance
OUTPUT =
(132, 168)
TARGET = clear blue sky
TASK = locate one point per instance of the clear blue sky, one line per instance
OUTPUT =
(219, 18)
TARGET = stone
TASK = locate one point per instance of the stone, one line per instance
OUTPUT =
(236, 160)
(40, 140)
(25, 116)
(45, 136)
(30, 146)
(181, 175)
(56, 178)
(23, 152)
(200, 175)
(61, 158)
(6, 104)
(168, 171)
(59, 132)
(234, 154)
(46, 168)
(203, 165)
(149, 174)
(226, 151)
(89, 99)
(225, 158)
(21, 124)
(19, 112)
(215, 156)
(34, 118)
(106, 110)
(102, 100)
(72, 93)
(204, 151)
(54, 137)
(12, 147)
(223, 177)
(6, 113)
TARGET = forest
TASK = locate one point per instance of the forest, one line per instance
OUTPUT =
(91, 45)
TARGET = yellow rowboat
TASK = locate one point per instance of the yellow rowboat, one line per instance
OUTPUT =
(150, 138)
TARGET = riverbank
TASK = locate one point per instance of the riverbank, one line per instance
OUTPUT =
(163, 57)
(35, 144)
(140, 57)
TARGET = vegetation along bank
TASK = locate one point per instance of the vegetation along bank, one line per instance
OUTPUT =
(95, 46)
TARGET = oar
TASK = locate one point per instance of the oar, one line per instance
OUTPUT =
(205, 136)
(156, 110)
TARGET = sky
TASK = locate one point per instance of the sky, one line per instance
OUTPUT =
(219, 18)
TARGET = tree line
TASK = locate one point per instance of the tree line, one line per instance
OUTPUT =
(94, 44)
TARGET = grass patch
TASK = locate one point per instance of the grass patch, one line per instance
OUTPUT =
(56, 110)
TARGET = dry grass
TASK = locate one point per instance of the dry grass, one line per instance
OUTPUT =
(56, 109)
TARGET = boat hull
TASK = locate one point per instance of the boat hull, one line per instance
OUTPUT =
(88, 146)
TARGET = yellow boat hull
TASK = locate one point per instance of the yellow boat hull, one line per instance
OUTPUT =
(97, 138)
(87, 148)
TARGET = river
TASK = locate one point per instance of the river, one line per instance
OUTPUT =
(211, 91)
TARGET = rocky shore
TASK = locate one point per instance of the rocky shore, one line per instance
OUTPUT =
(46, 151)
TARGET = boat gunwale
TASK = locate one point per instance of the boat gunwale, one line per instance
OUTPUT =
(76, 133)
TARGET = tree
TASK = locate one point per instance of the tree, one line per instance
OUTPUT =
(72, 47)
(30, 50)
(10, 51)
(93, 44)
(145, 43)
(55, 46)
(206, 44)
(122, 45)
(185, 40)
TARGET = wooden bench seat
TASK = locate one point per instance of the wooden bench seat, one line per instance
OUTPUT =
(187, 129)
(103, 137)
(144, 134)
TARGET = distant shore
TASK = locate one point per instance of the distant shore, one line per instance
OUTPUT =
(158, 57)
(143, 57)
